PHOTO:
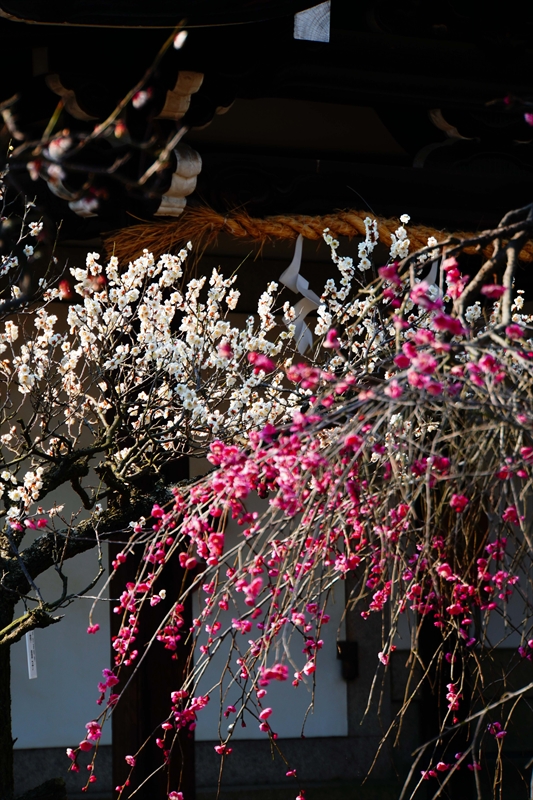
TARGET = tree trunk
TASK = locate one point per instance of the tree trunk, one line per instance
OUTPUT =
(6, 737)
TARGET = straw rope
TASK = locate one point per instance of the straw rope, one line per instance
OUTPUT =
(202, 226)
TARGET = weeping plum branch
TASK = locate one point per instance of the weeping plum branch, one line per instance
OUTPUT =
(407, 467)
(399, 454)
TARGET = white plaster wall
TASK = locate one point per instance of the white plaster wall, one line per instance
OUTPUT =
(290, 704)
(52, 709)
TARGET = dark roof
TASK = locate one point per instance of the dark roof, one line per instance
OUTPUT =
(156, 14)
(409, 103)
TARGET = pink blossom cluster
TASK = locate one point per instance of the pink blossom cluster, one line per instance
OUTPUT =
(366, 481)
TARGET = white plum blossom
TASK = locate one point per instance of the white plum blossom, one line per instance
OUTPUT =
(366, 248)
(399, 248)
(473, 312)
(35, 228)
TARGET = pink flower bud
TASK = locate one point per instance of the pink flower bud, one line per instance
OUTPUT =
(459, 502)
(224, 350)
(514, 331)
(493, 291)
(331, 341)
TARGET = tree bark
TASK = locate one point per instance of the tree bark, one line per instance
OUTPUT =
(6, 736)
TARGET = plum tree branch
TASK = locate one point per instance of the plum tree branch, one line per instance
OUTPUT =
(35, 618)
(53, 546)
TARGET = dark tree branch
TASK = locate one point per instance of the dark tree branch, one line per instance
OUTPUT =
(43, 553)
(36, 618)
(513, 249)
(80, 491)
(22, 565)
(455, 245)
(508, 254)
(70, 468)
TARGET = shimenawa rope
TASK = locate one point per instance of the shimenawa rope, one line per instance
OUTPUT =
(202, 225)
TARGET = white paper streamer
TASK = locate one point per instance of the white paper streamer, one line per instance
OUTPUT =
(310, 301)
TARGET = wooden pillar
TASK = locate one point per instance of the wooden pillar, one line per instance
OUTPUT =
(146, 702)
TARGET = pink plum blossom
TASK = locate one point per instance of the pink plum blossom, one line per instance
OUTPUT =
(493, 291)
(260, 362)
(331, 341)
(514, 331)
(393, 389)
(459, 502)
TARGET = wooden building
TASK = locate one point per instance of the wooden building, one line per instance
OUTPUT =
(381, 106)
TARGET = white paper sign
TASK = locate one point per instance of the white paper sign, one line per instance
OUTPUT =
(32, 658)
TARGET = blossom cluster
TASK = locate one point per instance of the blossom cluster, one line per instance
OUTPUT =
(145, 371)
(407, 468)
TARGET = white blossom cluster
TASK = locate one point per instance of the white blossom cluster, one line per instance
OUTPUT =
(19, 496)
(145, 368)
(359, 316)
(366, 248)
(202, 388)
(334, 298)
(473, 312)
(400, 243)
(264, 307)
